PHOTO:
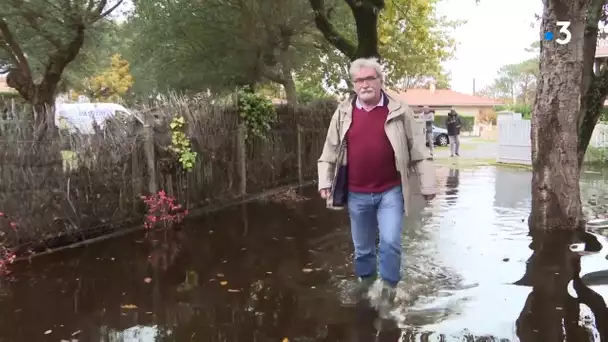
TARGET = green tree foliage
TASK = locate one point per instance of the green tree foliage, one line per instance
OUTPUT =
(412, 40)
(218, 45)
(311, 91)
(222, 44)
(516, 82)
(102, 41)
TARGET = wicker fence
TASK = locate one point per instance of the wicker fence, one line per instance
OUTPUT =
(81, 187)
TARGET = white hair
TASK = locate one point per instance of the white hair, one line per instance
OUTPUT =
(371, 63)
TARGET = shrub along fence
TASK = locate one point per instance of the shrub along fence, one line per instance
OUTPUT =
(62, 191)
(467, 122)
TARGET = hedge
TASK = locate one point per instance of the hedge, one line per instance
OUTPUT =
(467, 122)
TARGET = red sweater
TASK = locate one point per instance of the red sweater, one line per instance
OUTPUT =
(370, 155)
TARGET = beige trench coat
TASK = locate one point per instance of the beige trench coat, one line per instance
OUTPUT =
(407, 136)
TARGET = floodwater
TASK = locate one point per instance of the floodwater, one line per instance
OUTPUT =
(281, 271)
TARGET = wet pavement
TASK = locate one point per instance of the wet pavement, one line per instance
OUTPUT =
(282, 270)
(470, 148)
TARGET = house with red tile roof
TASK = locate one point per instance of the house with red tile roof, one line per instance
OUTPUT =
(442, 100)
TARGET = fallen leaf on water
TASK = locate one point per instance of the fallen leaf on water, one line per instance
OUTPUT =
(223, 282)
(76, 333)
(285, 339)
(269, 273)
(220, 275)
(234, 290)
(128, 306)
(48, 332)
(307, 270)
(147, 280)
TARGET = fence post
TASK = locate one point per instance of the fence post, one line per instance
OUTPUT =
(136, 176)
(242, 159)
(300, 151)
(150, 158)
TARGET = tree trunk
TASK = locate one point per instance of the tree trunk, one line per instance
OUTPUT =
(40, 96)
(591, 111)
(365, 13)
(366, 20)
(556, 203)
(290, 90)
(595, 87)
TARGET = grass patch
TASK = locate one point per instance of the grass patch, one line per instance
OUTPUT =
(470, 162)
(465, 162)
(479, 139)
(516, 166)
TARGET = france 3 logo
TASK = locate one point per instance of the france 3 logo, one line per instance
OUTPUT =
(564, 35)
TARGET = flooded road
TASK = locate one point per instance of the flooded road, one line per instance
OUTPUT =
(282, 270)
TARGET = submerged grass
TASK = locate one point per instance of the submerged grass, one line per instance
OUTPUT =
(462, 163)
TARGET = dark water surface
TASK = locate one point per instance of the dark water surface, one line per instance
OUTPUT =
(282, 269)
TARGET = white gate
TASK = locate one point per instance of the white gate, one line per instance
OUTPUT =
(515, 145)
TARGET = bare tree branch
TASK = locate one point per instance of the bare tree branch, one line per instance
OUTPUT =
(15, 50)
(31, 20)
(329, 31)
(103, 14)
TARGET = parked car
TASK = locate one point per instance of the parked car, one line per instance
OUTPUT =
(79, 117)
(440, 136)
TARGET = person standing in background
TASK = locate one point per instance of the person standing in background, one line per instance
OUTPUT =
(452, 124)
(428, 116)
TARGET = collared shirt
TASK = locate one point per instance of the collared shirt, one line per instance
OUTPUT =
(360, 105)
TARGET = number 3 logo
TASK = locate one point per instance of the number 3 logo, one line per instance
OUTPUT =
(564, 31)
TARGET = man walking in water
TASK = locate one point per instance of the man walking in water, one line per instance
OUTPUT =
(452, 124)
(372, 142)
(428, 116)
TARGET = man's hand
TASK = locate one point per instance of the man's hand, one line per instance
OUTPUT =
(324, 193)
(429, 197)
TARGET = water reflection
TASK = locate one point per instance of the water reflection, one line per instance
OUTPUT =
(551, 312)
(451, 184)
(275, 270)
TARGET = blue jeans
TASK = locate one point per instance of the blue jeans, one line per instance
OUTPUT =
(370, 213)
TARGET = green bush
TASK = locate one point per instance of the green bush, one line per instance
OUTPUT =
(524, 109)
(257, 113)
(595, 155)
(467, 122)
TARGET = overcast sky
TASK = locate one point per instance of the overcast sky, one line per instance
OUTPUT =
(497, 32)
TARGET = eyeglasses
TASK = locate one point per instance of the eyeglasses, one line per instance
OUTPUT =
(367, 79)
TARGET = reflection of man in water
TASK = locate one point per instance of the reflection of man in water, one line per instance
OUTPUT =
(451, 184)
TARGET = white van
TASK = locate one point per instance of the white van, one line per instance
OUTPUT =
(79, 117)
